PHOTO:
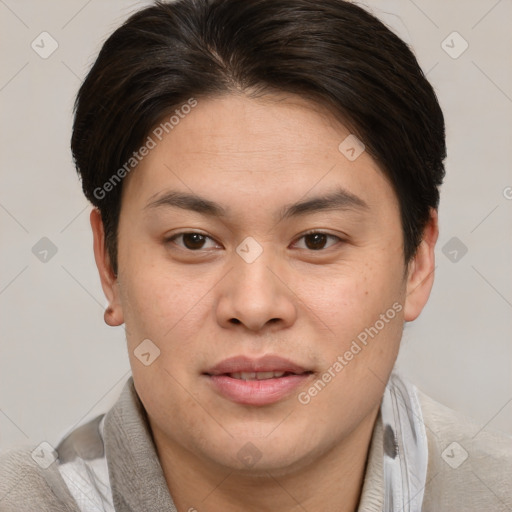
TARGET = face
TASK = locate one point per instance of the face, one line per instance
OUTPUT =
(266, 269)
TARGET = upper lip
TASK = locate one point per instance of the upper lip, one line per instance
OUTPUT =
(268, 363)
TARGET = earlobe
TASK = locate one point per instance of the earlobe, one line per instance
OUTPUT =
(112, 317)
(421, 271)
(113, 314)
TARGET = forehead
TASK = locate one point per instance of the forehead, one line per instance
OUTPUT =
(257, 152)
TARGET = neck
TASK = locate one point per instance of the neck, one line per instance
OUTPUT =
(331, 481)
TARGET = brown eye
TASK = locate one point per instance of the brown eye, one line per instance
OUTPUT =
(317, 241)
(191, 241)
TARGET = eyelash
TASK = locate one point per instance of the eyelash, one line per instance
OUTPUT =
(177, 235)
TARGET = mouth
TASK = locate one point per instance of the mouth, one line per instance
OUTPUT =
(256, 381)
(258, 375)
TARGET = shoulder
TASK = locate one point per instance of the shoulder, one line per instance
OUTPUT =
(30, 480)
(469, 467)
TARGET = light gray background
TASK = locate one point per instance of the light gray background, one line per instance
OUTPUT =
(60, 364)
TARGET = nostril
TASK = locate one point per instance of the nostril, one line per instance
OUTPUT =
(235, 321)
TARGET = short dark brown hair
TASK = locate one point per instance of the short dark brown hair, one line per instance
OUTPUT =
(331, 52)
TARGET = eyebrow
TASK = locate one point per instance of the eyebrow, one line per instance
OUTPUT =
(340, 199)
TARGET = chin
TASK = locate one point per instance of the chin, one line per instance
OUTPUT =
(257, 455)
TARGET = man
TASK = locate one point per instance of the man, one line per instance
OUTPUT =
(265, 179)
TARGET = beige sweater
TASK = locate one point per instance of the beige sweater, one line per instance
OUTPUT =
(482, 481)
(469, 469)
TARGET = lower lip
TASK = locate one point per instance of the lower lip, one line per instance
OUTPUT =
(257, 392)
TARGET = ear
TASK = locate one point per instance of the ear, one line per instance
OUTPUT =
(109, 283)
(420, 275)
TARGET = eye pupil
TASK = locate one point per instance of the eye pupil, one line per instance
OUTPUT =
(318, 241)
(193, 240)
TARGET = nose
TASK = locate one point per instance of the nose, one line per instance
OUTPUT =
(256, 295)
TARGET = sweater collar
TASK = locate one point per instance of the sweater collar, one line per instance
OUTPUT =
(136, 477)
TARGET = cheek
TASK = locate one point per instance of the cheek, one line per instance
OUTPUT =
(164, 309)
(364, 312)
(161, 309)
(345, 300)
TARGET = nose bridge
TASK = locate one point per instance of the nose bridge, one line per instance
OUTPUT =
(254, 294)
(252, 274)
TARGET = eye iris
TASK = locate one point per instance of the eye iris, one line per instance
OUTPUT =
(193, 240)
(317, 240)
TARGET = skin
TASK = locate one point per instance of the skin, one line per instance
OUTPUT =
(254, 157)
